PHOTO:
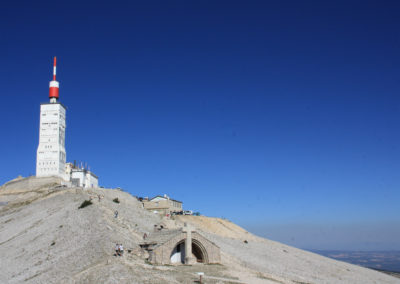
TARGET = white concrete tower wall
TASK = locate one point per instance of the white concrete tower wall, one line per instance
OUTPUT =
(51, 155)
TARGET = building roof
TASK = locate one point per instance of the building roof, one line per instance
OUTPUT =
(56, 103)
(166, 198)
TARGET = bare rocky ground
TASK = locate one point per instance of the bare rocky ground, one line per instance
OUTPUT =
(45, 238)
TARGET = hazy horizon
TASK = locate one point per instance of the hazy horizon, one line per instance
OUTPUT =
(341, 237)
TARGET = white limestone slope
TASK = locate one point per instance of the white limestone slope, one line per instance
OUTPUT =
(45, 238)
(278, 261)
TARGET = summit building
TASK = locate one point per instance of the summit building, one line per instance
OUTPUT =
(51, 154)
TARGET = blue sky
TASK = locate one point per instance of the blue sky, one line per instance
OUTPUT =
(281, 116)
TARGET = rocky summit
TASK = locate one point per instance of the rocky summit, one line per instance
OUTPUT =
(46, 238)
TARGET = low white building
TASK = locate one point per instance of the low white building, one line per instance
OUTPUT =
(81, 177)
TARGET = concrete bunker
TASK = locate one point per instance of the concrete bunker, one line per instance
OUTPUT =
(181, 246)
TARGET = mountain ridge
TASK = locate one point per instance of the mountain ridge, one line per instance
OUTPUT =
(45, 238)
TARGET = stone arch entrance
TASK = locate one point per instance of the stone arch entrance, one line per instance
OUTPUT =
(199, 251)
(178, 254)
(170, 247)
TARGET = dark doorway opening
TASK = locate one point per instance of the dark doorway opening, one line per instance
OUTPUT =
(198, 253)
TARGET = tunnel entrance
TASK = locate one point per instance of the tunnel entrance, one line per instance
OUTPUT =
(168, 247)
(197, 253)
(178, 254)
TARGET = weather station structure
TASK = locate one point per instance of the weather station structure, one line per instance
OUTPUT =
(51, 154)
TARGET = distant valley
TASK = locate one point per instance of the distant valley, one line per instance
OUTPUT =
(380, 260)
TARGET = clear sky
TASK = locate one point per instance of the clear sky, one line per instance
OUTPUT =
(281, 116)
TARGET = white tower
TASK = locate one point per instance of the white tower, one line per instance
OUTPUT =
(51, 156)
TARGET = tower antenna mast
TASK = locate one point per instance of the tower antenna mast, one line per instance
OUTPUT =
(54, 85)
(54, 68)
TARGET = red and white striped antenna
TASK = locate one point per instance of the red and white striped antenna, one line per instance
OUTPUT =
(54, 68)
(54, 85)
